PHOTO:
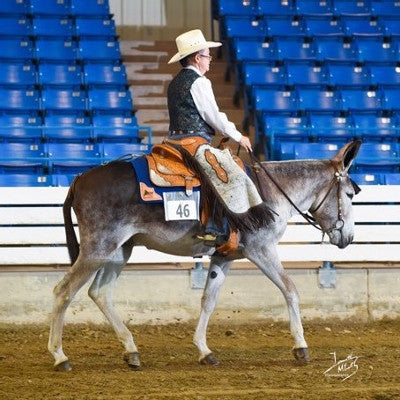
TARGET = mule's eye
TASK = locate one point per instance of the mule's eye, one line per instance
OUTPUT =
(350, 195)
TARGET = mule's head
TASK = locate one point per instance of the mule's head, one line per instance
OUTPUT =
(333, 207)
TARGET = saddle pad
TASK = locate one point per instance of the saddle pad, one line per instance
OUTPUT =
(155, 193)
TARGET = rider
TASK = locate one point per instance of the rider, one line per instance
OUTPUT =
(192, 107)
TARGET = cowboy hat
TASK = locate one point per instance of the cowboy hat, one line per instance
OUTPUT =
(189, 43)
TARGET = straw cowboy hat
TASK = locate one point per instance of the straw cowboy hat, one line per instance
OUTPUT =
(189, 43)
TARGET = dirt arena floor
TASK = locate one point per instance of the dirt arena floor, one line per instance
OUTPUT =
(256, 363)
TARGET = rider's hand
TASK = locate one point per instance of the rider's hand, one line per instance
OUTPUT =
(245, 143)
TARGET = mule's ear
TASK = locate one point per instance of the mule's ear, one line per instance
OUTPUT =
(347, 154)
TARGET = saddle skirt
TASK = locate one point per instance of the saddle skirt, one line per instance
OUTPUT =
(167, 168)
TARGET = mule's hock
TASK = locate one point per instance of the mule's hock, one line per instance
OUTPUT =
(361, 281)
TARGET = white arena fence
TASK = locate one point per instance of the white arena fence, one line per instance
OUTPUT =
(32, 232)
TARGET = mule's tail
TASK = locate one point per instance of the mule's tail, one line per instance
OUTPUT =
(72, 241)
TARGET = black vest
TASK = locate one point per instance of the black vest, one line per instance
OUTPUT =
(183, 114)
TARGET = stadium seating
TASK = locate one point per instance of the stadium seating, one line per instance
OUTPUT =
(377, 157)
(15, 26)
(336, 49)
(115, 127)
(294, 48)
(17, 49)
(32, 180)
(104, 74)
(306, 73)
(19, 98)
(391, 26)
(385, 8)
(307, 7)
(89, 8)
(362, 26)
(376, 127)
(285, 26)
(95, 27)
(276, 8)
(63, 98)
(376, 49)
(98, 49)
(369, 179)
(50, 7)
(67, 127)
(17, 73)
(242, 27)
(229, 7)
(324, 26)
(354, 8)
(72, 158)
(59, 73)
(20, 126)
(52, 26)
(303, 151)
(348, 74)
(391, 179)
(331, 127)
(109, 98)
(361, 99)
(55, 49)
(115, 151)
(319, 99)
(15, 7)
(21, 157)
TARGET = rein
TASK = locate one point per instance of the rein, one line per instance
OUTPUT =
(337, 179)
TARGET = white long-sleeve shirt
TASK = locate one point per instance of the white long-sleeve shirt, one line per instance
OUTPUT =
(204, 99)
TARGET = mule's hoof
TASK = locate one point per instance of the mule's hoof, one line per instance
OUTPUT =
(301, 355)
(64, 366)
(209, 359)
(132, 359)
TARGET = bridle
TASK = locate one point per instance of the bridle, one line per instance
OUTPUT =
(336, 180)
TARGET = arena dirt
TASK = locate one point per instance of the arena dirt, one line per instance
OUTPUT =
(256, 363)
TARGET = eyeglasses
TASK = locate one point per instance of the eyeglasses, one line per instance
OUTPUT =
(205, 56)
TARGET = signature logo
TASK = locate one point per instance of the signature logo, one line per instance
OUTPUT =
(344, 369)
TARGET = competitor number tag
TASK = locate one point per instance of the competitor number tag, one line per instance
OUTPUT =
(178, 206)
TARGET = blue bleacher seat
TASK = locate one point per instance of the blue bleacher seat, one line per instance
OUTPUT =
(115, 127)
(385, 74)
(376, 49)
(378, 157)
(67, 127)
(20, 157)
(15, 25)
(110, 98)
(356, 8)
(376, 127)
(274, 99)
(319, 99)
(310, 151)
(336, 48)
(348, 74)
(294, 48)
(59, 73)
(385, 7)
(16, 49)
(253, 50)
(98, 49)
(364, 99)
(362, 26)
(56, 49)
(104, 74)
(14, 7)
(391, 26)
(72, 158)
(246, 26)
(17, 73)
(391, 98)
(263, 73)
(323, 26)
(53, 26)
(115, 151)
(25, 180)
(286, 128)
(285, 26)
(331, 127)
(235, 7)
(20, 126)
(274, 7)
(50, 7)
(306, 73)
(95, 27)
(91, 8)
(62, 180)
(392, 179)
(368, 179)
(19, 98)
(63, 98)
(311, 7)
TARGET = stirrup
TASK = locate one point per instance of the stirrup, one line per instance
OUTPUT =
(208, 237)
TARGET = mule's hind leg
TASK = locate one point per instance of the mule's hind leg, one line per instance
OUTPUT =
(216, 277)
(101, 292)
(64, 292)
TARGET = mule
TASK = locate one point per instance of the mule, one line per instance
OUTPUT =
(111, 221)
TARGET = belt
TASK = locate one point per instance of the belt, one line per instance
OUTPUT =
(179, 132)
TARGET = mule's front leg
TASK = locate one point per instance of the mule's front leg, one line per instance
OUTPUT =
(215, 279)
(267, 260)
